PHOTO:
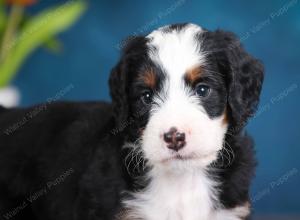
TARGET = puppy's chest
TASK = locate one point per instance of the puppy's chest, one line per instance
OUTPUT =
(190, 197)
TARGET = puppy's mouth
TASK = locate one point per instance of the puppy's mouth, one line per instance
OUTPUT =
(179, 157)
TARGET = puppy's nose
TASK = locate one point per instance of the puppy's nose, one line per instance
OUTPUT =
(174, 139)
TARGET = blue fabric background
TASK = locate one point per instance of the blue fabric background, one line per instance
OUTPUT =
(270, 30)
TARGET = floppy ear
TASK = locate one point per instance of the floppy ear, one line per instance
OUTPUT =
(118, 92)
(246, 78)
(244, 75)
(121, 75)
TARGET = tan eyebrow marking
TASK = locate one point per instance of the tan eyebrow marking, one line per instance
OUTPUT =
(149, 78)
(193, 74)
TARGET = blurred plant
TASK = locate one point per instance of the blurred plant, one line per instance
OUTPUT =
(21, 34)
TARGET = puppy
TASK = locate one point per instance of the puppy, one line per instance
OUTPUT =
(171, 145)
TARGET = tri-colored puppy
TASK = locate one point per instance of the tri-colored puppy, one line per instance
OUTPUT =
(170, 145)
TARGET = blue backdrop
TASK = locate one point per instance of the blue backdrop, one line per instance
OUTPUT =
(270, 30)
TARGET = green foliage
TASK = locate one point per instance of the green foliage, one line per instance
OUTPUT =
(53, 45)
(39, 30)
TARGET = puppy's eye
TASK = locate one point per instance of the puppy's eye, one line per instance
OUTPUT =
(202, 90)
(147, 97)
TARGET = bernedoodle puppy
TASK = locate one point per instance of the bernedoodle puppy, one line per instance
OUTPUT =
(170, 146)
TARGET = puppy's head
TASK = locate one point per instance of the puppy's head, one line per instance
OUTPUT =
(177, 91)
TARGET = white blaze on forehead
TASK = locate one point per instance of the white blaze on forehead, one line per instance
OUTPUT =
(176, 51)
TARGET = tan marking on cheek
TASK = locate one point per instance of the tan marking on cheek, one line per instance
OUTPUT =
(149, 78)
(225, 117)
(193, 74)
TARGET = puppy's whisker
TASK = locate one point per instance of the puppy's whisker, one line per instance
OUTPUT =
(137, 160)
(136, 156)
(228, 153)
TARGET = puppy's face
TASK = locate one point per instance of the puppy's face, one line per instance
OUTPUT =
(182, 88)
(186, 100)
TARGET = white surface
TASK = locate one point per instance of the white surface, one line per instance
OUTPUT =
(9, 97)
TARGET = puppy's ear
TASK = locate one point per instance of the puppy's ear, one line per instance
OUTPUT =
(118, 92)
(121, 76)
(244, 75)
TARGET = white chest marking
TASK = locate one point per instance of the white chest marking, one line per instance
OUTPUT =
(188, 196)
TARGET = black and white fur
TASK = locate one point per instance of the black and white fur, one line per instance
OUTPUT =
(123, 167)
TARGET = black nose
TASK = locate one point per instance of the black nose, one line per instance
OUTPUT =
(174, 139)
